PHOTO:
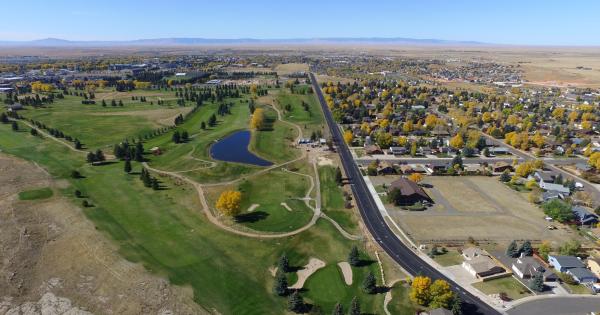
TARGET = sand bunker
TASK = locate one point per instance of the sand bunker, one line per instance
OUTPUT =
(313, 265)
(347, 271)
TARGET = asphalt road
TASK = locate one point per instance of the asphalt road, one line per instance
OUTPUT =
(576, 305)
(377, 226)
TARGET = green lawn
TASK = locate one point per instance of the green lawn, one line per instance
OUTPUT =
(509, 285)
(311, 120)
(96, 126)
(333, 200)
(326, 287)
(166, 231)
(400, 303)
(274, 143)
(271, 215)
(42, 193)
(450, 258)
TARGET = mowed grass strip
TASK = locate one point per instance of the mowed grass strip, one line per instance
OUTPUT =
(509, 285)
(332, 199)
(34, 194)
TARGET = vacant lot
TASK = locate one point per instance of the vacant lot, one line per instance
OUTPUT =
(478, 207)
(288, 68)
(509, 285)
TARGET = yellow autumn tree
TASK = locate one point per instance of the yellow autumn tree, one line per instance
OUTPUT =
(431, 121)
(457, 141)
(594, 160)
(415, 177)
(419, 290)
(558, 113)
(348, 136)
(440, 293)
(258, 119)
(538, 139)
(229, 202)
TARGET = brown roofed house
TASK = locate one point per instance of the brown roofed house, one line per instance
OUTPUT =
(410, 191)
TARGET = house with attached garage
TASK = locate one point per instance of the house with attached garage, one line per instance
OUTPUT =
(582, 275)
(584, 216)
(564, 263)
(526, 267)
(554, 187)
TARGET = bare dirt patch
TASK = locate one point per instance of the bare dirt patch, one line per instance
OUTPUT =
(346, 271)
(288, 68)
(49, 246)
(313, 265)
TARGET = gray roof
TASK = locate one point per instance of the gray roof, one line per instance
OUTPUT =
(569, 261)
(581, 273)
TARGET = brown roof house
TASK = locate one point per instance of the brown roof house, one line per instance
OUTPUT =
(410, 192)
(479, 263)
(501, 166)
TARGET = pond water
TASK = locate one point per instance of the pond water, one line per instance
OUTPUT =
(234, 148)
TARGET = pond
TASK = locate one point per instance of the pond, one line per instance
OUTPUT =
(234, 148)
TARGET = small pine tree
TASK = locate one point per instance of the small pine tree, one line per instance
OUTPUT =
(15, 126)
(33, 132)
(85, 203)
(505, 177)
(457, 306)
(284, 264)
(176, 137)
(369, 285)
(127, 166)
(354, 257)
(203, 125)
(155, 185)
(77, 193)
(537, 284)
(355, 307)
(139, 152)
(281, 285)
(338, 309)
(77, 144)
(526, 249)
(185, 136)
(91, 157)
(512, 250)
(296, 303)
(338, 176)
(75, 174)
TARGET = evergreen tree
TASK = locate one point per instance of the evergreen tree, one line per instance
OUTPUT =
(91, 157)
(505, 177)
(338, 309)
(537, 284)
(457, 306)
(100, 156)
(369, 285)
(103, 103)
(176, 137)
(77, 193)
(338, 176)
(75, 174)
(113, 103)
(185, 136)
(155, 185)
(15, 126)
(512, 250)
(354, 257)
(526, 249)
(203, 125)
(355, 307)
(4, 118)
(33, 132)
(127, 166)
(139, 152)
(295, 303)
(284, 264)
(281, 285)
(77, 144)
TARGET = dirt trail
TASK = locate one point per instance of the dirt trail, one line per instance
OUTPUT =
(54, 258)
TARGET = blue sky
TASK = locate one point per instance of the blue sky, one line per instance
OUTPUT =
(506, 21)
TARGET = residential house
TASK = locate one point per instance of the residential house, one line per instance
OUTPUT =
(547, 177)
(564, 263)
(552, 194)
(499, 150)
(398, 150)
(583, 167)
(554, 187)
(526, 267)
(373, 149)
(385, 168)
(410, 191)
(479, 263)
(501, 166)
(582, 275)
(584, 217)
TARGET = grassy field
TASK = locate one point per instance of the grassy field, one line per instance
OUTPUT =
(96, 126)
(271, 215)
(450, 258)
(41, 193)
(401, 303)
(166, 232)
(275, 142)
(333, 200)
(509, 285)
(311, 120)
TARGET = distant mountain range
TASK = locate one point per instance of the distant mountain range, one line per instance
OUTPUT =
(182, 41)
